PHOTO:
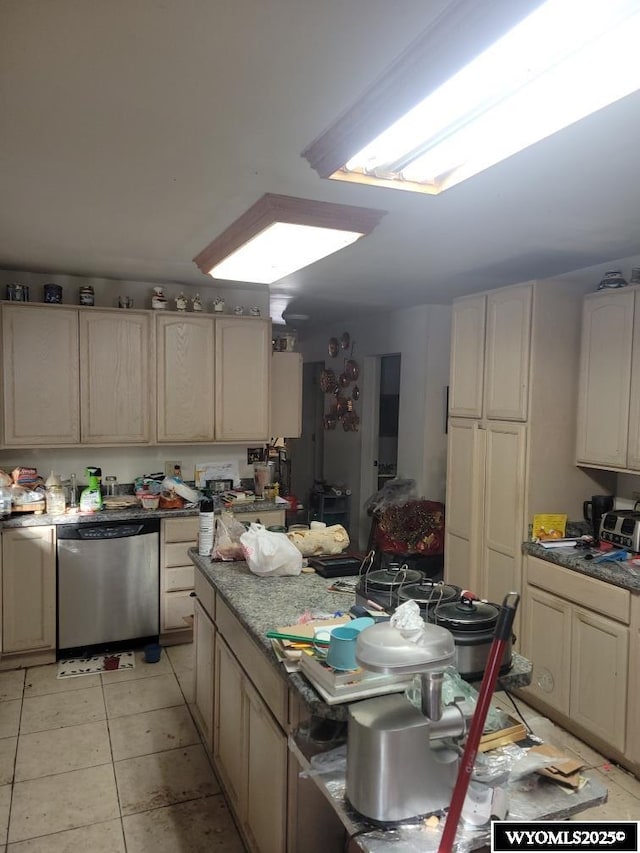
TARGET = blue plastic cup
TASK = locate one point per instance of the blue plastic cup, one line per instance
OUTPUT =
(152, 652)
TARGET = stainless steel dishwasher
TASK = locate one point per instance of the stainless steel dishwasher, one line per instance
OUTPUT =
(108, 584)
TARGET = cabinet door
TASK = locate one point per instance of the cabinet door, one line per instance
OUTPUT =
(185, 378)
(28, 589)
(467, 357)
(633, 448)
(503, 511)
(204, 638)
(462, 530)
(114, 377)
(605, 376)
(229, 727)
(600, 652)
(507, 353)
(40, 376)
(242, 379)
(269, 518)
(176, 611)
(286, 394)
(267, 777)
(547, 643)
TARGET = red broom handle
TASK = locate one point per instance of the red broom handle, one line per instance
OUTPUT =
(501, 635)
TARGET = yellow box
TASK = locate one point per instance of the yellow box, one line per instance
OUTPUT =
(549, 526)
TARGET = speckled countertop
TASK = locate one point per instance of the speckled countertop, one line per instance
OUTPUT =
(262, 604)
(621, 573)
(32, 519)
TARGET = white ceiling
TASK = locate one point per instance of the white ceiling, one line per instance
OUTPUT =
(134, 131)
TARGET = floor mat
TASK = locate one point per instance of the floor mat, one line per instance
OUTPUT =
(98, 663)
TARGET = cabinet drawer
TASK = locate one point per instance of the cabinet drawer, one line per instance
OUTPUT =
(180, 529)
(266, 680)
(266, 517)
(177, 611)
(589, 592)
(175, 553)
(178, 578)
(205, 594)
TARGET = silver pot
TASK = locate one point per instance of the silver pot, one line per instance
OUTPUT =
(473, 625)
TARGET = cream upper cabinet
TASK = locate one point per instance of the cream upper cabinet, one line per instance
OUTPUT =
(40, 376)
(115, 381)
(467, 357)
(606, 386)
(286, 394)
(185, 378)
(242, 379)
(490, 352)
(506, 382)
(28, 589)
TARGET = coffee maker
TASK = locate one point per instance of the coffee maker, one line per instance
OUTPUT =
(399, 764)
(594, 509)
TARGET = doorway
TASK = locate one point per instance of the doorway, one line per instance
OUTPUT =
(388, 414)
(307, 452)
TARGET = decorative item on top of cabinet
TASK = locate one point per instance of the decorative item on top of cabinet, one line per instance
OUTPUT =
(181, 302)
(196, 303)
(612, 279)
(218, 305)
(158, 300)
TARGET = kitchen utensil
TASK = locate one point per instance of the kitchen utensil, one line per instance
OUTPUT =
(613, 278)
(594, 509)
(355, 393)
(343, 380)
(341, 653)
(502, 636)
(472, 624)
(429, 593)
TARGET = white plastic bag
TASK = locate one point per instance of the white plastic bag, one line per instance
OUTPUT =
(270, 554)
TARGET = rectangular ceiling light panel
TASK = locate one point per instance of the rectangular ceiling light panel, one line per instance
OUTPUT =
(280, 234)
(566, 60)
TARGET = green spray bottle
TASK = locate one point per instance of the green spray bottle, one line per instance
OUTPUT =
(91, 497)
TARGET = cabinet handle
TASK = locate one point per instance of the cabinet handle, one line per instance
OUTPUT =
(192, 595)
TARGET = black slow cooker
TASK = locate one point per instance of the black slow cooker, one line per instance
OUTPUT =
(428, 594)
(473, 625)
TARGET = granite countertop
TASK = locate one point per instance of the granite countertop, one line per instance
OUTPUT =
(621, 573)
(262, 604)
(32, 519)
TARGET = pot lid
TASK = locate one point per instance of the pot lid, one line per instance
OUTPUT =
(429, 593)
(386, 579)
(467, 615)
(386, 649)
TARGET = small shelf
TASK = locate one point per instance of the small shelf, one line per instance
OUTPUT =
(330, 508)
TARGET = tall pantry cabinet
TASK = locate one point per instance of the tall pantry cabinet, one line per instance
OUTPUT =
(511, 430)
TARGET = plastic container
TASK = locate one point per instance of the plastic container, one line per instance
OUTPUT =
(55, 499)
(149, 501)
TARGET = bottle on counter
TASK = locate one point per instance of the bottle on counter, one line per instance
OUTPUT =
(54, 495)
(73, 491)
(206, 526)
(91, 497)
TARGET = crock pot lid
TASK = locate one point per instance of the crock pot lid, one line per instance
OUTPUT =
(467, 615)
(385, 579)
(429, 592)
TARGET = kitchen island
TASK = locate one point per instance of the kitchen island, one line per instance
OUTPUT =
(262, 725)
(581, 630)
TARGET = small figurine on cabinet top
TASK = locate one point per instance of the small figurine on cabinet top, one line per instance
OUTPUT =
(218, 305)
(158, 300)
(181, 302)
(254, 311)
(196, 303)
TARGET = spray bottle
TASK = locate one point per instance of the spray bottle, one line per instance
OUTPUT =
(91, 497)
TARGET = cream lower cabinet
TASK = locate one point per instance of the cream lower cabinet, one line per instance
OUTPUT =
(204, 635)
(250, 754)
(28, 590)
(576, 633)
(485, 489)
(268, 517)
(177, 578)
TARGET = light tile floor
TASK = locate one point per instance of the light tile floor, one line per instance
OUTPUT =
(108, 763)
(113, 763)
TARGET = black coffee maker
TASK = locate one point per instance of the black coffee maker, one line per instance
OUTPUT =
(594, 509)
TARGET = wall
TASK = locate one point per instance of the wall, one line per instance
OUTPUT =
(421, 336)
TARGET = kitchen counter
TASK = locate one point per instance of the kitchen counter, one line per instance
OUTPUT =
(620, 574)
(32, 519)
(262, 604)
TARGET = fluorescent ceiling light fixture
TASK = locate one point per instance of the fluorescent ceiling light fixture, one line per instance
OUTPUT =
(564, 61)
(280, 234)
